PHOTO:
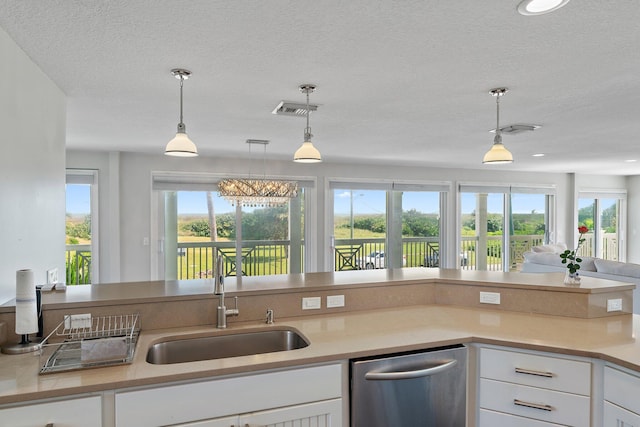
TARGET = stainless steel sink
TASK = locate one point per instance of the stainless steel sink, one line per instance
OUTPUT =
(194, 348)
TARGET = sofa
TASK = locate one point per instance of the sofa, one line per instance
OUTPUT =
(546, 259)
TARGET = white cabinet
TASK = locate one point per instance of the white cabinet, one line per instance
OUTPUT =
(532, 389)
(218, 422)
(495, 419)
(240, 398)
(615, 416)
(81, 412)
(317, 414)
(621, 403)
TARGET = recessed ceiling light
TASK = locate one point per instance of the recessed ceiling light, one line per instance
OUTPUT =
(630, 161)
(540, 7)
(538, 155)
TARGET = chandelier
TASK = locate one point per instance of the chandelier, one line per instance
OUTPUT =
(252, 192)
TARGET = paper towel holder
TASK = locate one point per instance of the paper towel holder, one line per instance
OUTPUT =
(27, 345)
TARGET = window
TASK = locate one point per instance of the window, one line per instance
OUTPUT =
(199, 226)
(81, 254)
(602, 213)
(386, 225)
(498, 224)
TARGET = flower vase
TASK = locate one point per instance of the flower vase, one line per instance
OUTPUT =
(571, 278)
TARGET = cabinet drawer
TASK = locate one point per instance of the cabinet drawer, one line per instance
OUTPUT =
(562, 408)
(494, 419)
(622, 389)
(82, 412)
(618, 417)
(548, 372)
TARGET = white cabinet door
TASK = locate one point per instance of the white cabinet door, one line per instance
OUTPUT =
(82, 412)
(615, 416)
(218, 422)
(622, 389)
(496, 419)
(327, 413)
(216, 398)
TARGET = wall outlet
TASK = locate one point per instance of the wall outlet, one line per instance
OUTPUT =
(614, 304)
(52, 276)
(312, 303)
(77, 321)
(335, 301)
(490, 297)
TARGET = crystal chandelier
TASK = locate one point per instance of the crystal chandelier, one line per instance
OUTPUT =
(252, 192)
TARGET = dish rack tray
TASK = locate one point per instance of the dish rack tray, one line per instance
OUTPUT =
(90, 342)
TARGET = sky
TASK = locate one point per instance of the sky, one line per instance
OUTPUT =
(78, 199)
(364, 202)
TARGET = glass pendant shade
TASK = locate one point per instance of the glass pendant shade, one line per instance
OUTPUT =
(307, 153)
(498, 154)
(181, 146)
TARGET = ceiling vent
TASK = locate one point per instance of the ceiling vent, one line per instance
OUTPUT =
(288, 108)
(516, 129)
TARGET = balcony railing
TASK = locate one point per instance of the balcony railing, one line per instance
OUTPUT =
(196, 259)
(259, 258)
(78, 264)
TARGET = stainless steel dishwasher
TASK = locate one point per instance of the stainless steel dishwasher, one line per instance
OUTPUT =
(427, 388)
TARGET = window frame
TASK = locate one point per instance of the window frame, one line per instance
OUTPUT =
(90, 177)
(162, 181)
(389, 186)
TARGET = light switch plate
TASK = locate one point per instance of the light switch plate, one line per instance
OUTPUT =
(335, 301)
(77, 321)
(311, 303)
(490, 297)
(614, 304)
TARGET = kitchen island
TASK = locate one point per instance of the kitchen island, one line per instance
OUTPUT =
(385, 311)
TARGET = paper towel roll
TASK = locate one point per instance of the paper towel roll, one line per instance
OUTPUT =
(26, 308)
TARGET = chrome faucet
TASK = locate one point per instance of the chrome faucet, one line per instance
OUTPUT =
(218, 289)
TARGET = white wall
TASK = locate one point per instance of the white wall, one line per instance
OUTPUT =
(136, 202)
(32, 119)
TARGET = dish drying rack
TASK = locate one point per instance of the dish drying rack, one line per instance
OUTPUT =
(90, 342)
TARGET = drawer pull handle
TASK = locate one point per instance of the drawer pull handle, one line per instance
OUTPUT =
(533, 405)
(536, 373)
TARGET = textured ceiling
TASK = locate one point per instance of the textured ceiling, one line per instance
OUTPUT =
(399, 82)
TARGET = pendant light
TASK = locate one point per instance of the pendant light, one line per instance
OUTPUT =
(307, 153)
(498, 154)
(181, 145)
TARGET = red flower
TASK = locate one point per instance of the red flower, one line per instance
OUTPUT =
(583, 229)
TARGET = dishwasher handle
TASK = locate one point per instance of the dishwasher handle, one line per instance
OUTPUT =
(404, 375)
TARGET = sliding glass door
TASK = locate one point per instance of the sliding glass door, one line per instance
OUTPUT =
(498, 224)
(603, 214)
